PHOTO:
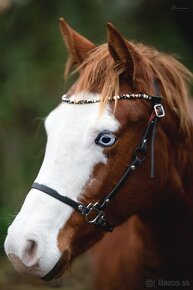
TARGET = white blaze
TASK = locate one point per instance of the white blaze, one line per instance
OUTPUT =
(71, 154)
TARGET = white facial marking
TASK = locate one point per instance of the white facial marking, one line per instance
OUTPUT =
(71, 154)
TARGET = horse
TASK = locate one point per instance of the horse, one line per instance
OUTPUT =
(118, 155)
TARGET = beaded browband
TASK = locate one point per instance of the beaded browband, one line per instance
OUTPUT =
(97, 100)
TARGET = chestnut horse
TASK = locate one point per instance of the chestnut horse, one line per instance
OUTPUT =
(101, 146)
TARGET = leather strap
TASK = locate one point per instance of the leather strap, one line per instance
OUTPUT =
(99, 218)
(56, 195)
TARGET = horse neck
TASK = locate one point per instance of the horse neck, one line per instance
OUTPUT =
(167, 227)
(167, 234)
(188, 170)
(182, 158)
(176, 196)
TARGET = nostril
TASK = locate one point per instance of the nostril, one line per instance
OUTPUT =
(29, 255)
(30, 247)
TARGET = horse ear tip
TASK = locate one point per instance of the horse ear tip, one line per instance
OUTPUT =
(110, 25)
(61, 19)
(62, 22)
(111, 29)
(63, 25)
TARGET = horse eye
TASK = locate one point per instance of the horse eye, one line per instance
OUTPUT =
(105, 139)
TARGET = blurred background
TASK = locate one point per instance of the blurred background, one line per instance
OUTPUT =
(32, 57)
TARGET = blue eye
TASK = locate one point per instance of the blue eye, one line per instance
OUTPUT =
(105, 139)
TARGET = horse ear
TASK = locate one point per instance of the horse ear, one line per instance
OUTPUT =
(122, 51)
(78, 46)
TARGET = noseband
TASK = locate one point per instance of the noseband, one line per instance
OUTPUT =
(94, 213)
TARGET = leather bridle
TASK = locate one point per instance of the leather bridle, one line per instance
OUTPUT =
(94, 212)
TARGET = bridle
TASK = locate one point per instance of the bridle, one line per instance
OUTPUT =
(94, 213)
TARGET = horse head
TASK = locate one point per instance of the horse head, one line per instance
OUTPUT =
(92, 136)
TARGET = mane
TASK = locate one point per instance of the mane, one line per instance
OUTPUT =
(98, 71)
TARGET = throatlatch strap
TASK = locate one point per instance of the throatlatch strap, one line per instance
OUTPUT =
(152, 172)
(152, 156)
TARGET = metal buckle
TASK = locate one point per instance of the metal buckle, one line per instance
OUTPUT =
(99, 214)
(159, 110)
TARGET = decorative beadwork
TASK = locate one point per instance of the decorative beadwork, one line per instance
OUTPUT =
(97, 100)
